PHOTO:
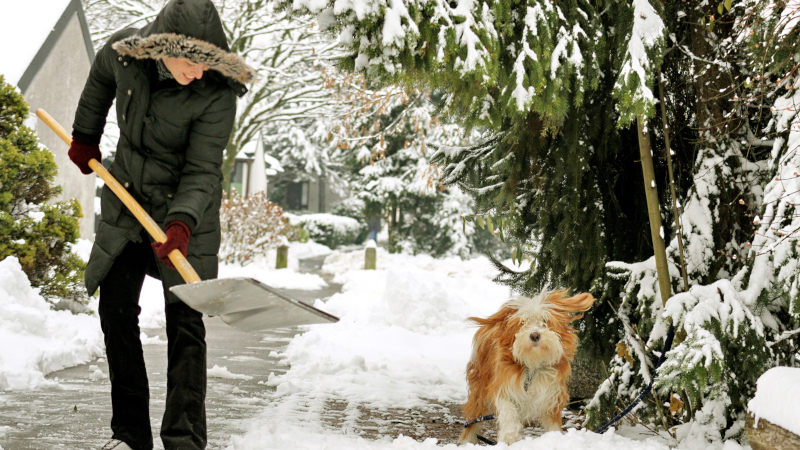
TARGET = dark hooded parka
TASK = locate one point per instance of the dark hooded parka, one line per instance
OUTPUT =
(172, 140)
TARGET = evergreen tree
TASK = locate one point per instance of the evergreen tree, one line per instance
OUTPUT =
(732, 323)
(37, 233)
(557, 87)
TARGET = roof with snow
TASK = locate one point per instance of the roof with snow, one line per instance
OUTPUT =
(248, 151)
(29, 30)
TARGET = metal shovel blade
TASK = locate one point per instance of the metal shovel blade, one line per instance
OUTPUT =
(248, 304)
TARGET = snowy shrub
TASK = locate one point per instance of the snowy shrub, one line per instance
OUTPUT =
(719, 351)
(354, 208)
(332, 230)
(38, 232)
(251, 225)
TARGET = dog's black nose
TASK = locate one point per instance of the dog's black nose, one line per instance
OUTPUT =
(535, 336)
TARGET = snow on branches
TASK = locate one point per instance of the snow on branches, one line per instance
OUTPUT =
(642, 59)
(497, 59)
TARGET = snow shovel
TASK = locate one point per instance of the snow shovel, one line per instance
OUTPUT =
(243, 303)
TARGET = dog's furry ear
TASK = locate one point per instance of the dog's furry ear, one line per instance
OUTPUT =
(562, 304)
(496, 318)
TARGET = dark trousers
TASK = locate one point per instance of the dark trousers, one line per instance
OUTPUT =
(184, 423)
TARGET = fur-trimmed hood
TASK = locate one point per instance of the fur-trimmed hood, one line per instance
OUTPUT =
(189, 29)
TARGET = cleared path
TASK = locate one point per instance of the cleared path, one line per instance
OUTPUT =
(77, 416)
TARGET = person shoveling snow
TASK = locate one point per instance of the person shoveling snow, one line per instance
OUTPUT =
(175, 83)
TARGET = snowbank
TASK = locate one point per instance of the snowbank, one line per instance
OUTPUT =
(777, 398)
(279, 436)
(313, 222)
(402, 338)
(310, 249)
(331, 230)
(37, 340)
(402, 342)
(340, 262)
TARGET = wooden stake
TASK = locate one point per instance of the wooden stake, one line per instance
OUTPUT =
(656, 230)
(282, 260)
(370, 259)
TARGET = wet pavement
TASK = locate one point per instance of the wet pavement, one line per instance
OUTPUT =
(76, 416)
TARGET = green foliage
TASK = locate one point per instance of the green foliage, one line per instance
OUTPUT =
(496, 60)
(37, 233)
(641, 57)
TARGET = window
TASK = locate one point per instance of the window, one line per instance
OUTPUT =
(297, 196)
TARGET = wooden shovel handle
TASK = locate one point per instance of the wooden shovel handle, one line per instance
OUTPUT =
(177, 258)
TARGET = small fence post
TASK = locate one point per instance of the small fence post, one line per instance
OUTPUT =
(370, 256)
(282, 261)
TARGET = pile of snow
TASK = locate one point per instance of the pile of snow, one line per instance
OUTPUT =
(310, 249)
(402, 338)
(340, 224)
(340, 262)
(330, 228)
(777, 398)
(280, 436)
(402, 342)
(151, 340)
(37, 340)
(97, 373)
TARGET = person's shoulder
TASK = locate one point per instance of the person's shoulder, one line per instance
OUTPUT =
(122, 34)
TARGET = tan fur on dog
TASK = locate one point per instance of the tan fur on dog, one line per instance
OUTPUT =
(521, 362)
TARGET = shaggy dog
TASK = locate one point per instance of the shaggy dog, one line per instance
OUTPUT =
(520, 364)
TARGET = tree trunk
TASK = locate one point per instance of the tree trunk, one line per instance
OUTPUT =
(231, 151)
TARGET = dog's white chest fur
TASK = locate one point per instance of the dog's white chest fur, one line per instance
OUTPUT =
(538, 395)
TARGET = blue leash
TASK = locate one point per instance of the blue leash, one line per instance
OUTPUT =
(661, 359)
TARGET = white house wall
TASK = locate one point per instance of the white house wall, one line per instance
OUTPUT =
(56, 88)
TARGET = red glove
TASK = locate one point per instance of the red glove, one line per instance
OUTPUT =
(80, 153)
(177, 237)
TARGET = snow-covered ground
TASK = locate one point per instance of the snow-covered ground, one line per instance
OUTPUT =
(402, 342)
(35, 339)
